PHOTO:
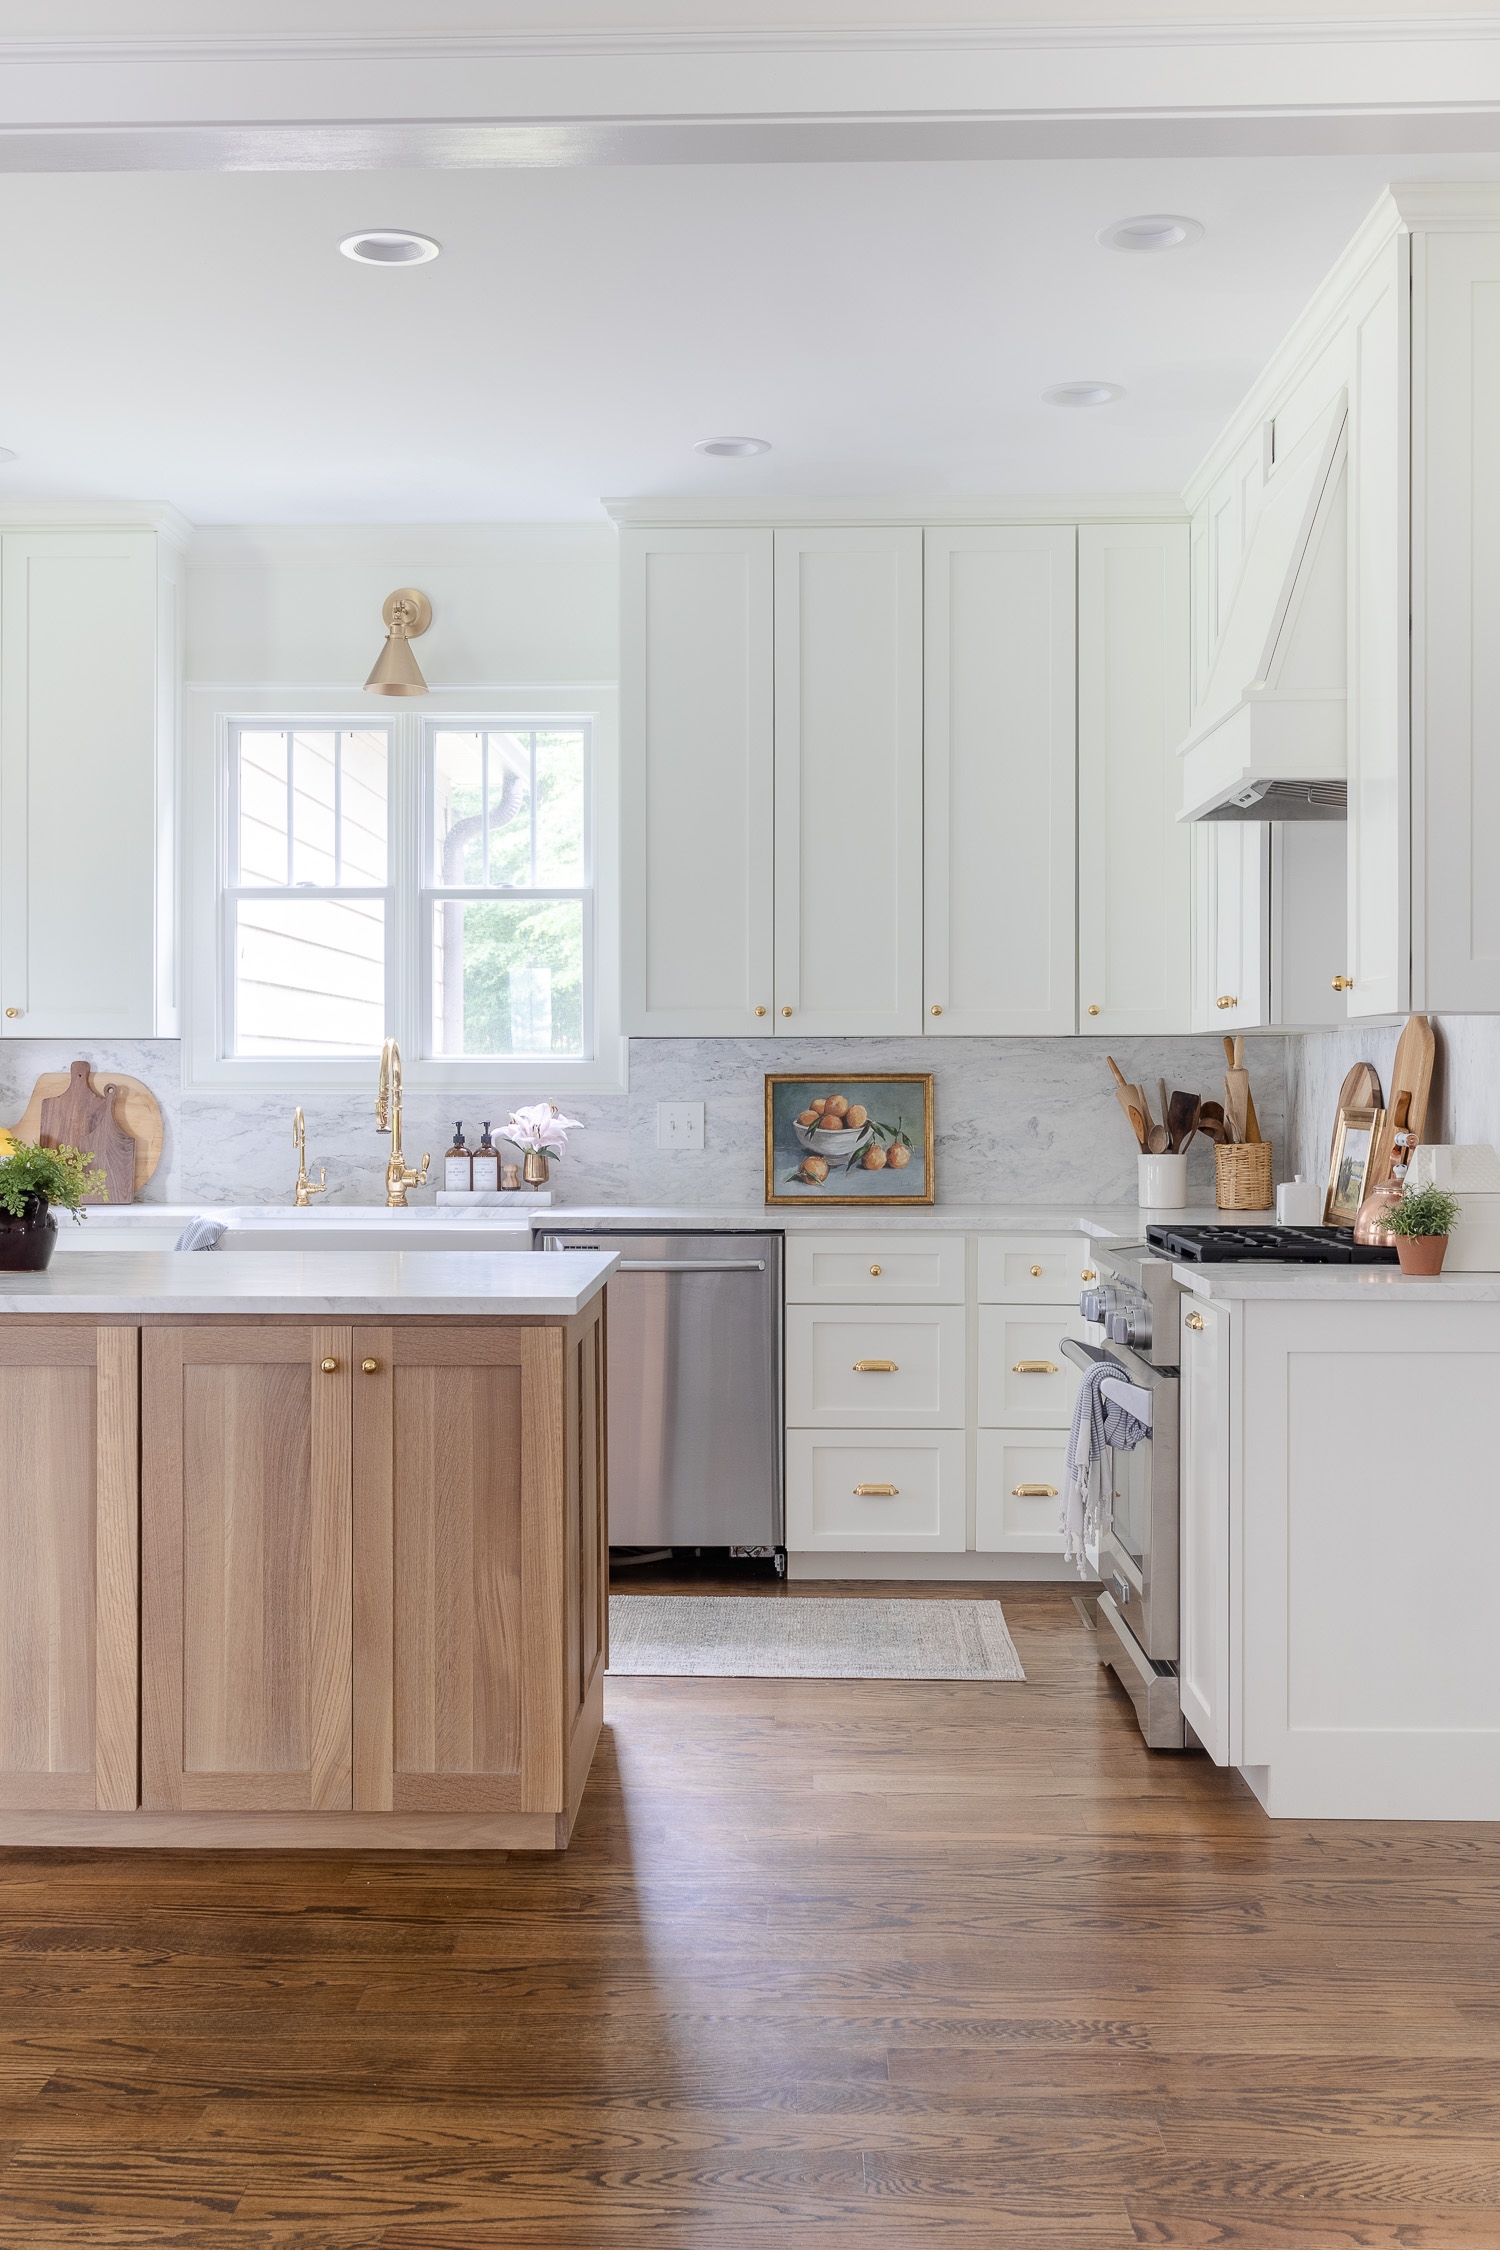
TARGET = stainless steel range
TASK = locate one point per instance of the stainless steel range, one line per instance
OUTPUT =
(1135, 1301)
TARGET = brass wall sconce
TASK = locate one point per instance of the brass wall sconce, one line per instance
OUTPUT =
(407, 615)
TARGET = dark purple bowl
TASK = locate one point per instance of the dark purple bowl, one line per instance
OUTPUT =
(27, 1243)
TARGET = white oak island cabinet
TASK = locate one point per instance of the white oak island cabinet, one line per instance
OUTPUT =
(332, 1577)
(1338, 1522)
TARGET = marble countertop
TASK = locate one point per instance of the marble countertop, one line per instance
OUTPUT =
(1125, 1219)
(1336, 1284)
(341, 1284)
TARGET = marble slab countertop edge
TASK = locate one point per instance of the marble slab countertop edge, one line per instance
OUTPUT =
(362, 1284)
(1271, 1284)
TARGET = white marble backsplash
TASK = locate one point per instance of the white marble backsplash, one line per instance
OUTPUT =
(1017, 1120)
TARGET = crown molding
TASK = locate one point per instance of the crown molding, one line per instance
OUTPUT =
(414, 546)
(115, 51)
(98, 515)
(945, 508)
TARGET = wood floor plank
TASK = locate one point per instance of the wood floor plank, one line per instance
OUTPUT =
(829, 1966)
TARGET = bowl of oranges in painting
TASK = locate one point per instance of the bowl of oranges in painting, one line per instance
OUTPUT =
(861, 1141)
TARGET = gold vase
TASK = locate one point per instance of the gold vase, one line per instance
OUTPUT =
(534, 1170)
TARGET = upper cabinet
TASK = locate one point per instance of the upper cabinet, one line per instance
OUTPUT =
(88, 711)
(696, 800)
(873, 758)
(848, 781)
(1001, 635)
(1134, 857)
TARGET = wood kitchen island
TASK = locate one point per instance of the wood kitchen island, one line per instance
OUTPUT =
(301, 1550)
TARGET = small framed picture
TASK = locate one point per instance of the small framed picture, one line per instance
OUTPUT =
(1353, 1141)
(835, 1139)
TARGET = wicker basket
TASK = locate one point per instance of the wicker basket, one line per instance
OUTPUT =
(1244, 1176)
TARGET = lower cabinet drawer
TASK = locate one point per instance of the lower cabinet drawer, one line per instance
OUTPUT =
(850, 1367)
(1018, 1492)
(1023, 1378)
(1042, 1269)
(872, 1489)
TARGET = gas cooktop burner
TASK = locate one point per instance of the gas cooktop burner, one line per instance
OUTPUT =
(1288, 1246)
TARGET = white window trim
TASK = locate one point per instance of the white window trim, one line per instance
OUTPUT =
(209, 711)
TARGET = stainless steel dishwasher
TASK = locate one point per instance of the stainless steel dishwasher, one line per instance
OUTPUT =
(694, 1387)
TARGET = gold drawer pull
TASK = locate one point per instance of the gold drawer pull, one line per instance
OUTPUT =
(876, 1491)
(370, 1366)
(876, 1367)
(1088, 1274)
(1195, 1320)
(1227, 1000)
(329, 1366)
(1033, 1492)
(1035, 1272)
(1034, 1367)
(1343, 984)
(876, 1271)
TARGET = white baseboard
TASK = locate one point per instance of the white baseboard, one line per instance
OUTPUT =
(952, 1568)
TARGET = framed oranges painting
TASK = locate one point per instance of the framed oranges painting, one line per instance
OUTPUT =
(845, 1140)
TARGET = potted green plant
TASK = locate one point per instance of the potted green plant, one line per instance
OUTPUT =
(32, 1180)
(1422, 1222)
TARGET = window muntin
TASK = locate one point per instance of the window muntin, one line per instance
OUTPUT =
(508, 908)
(308, 897)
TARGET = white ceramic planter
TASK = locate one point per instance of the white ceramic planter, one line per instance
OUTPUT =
(1161, 1183)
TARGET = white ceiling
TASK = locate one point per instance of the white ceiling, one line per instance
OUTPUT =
(197, 338)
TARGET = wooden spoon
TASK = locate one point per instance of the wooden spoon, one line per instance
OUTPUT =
(1182, 1116)
(1190, 1132)
(1138, 1122)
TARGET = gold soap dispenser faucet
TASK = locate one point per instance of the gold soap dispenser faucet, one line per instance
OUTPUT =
(388, 1120)
(306, 1188)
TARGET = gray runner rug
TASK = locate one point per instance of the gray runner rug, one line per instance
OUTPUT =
(745, 1637)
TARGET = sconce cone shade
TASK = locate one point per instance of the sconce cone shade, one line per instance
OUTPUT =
(396, 671)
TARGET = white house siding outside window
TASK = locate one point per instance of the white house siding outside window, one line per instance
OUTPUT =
(495, 912)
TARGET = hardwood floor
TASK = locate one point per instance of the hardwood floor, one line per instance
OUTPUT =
(830, 1966)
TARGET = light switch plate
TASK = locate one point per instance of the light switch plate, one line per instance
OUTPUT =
(679, 1125)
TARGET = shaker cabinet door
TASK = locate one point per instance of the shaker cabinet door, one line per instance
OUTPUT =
(458, 1574)
(848, 782)
(1204, 1668)
(246, 1577)
(68, 1568)
(695, 805)
(1134, 856)
(1000, 848)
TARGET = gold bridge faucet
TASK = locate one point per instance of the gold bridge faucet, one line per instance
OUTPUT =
(306, 1188)
(388, 1119)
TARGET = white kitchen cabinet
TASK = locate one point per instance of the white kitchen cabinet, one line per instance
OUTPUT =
(879, 1268)
(1232, 912)
(696, 800)
(1018, 1483)
(875, 1491)
(1000, 847)
(88, 722)
(1134, 857)
(848, 781)
(1205, 1671)
(875, 1366)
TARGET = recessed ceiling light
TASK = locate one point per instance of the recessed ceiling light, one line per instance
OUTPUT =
(733, 448)
(1155, 230)
(1084, 394)
(6, 454)
(389, 246)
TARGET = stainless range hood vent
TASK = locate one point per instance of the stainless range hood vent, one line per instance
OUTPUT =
(1268, 736)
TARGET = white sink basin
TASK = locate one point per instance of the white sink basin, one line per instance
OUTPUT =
(370, 1230)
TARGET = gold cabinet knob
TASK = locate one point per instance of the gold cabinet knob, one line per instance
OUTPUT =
(876, 1367)
(1035, 1272)
(1093, 1009)
(1227, 1000)
(760, 1011)
(1195, 1320)
(936, 1010)
(12, 1011)
(786, 1011)
(876, 1491)
(329, 1366)
(876, 1271)
(1034, 1367)
(1033, 1492)
(1343, 984)
(1088, 1274)
(370, 1366)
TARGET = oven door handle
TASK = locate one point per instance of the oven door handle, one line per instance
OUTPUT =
(1129, 1395)
(1087, 1355)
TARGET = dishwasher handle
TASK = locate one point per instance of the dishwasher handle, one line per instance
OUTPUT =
(692, 1265)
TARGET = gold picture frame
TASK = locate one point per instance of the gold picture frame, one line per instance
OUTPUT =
(810, 1164)
(1354, 1140)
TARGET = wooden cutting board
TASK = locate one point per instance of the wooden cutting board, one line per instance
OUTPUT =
(1360, 1090)
(1411, 1077)
(132, 1115)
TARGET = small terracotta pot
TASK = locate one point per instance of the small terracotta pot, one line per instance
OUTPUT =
(1421, 1253)
(27, 1243)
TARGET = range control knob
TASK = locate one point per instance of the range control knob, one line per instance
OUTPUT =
(1119, 1328)
(1089, 1305)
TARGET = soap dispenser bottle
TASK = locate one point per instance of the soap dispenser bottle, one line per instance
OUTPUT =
(486, 1165)
(458, 1165)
